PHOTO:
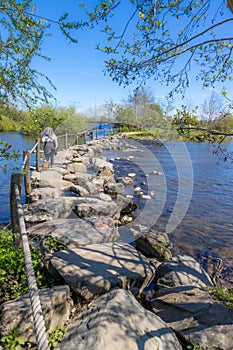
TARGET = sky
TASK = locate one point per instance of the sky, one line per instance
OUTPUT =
(77, 69)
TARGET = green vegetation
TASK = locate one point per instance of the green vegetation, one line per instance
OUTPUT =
(144, 118)
(12, 341)
(143, 46)
(192, 347)
(13, 279)
(52, 244)
(62, 119)
(22, 40)
(146, 45)
(225, 296)
(56, 336)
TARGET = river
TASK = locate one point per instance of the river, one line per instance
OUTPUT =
(195, 185)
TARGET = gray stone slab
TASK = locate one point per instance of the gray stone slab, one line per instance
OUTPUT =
(117, 321)
(74, 233)
(192, 312)
(51, 178)
(95, 269)
(182, 270)
(93, 206)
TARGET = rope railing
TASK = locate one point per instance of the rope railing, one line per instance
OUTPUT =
(39, 323)
(36, 144)
(24, 162)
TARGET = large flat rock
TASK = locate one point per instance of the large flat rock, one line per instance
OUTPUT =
(95, 269)
(192, 312)
(77, 232)
(182, 270)
(117, 321)
(93, 206)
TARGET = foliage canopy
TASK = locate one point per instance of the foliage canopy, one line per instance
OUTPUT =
(164, 39)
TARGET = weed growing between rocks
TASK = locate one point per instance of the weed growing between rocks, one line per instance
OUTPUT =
(225, 296)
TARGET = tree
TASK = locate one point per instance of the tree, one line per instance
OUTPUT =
(20, 42)
(155, 42)
(146, 45)
(110, 109)
(140, 110)
(126, 116)
(214, 107)
(22, 34)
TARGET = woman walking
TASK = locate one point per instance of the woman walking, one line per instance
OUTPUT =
(50, 144)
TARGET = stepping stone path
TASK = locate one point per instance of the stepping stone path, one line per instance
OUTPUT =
(80, 204)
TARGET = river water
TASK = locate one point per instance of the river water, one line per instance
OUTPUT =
(191, 196)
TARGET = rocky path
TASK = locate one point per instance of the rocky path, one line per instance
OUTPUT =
(107, 260)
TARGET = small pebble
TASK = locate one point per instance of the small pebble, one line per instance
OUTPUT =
(131, 174)
(145, 196)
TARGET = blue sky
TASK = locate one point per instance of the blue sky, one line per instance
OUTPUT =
(77, 69)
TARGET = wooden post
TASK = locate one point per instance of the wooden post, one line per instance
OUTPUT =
(104, 132)
(16, 179)
(38, 155)
(96, 134)
(66, 140)
(27, 178)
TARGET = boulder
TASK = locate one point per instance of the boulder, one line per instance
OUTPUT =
(74, 233)
(112, 187)
(82, 159)
(51, 178)
(44, 193)
(48, 209)
(93, 206)
(79, 190)
(117, 321)
(125, 204)
(56, 306)
(76, 167)
(35, 179)
(95, 269)
(95, 186)
(79, 178)
(192, 312)
(154, 244)
(99, 163)
(182, 271)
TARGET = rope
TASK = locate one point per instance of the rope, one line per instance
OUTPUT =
(24, 162)
(33, 149)
(39, 324)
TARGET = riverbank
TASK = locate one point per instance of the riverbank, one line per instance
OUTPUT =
(94, 222)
